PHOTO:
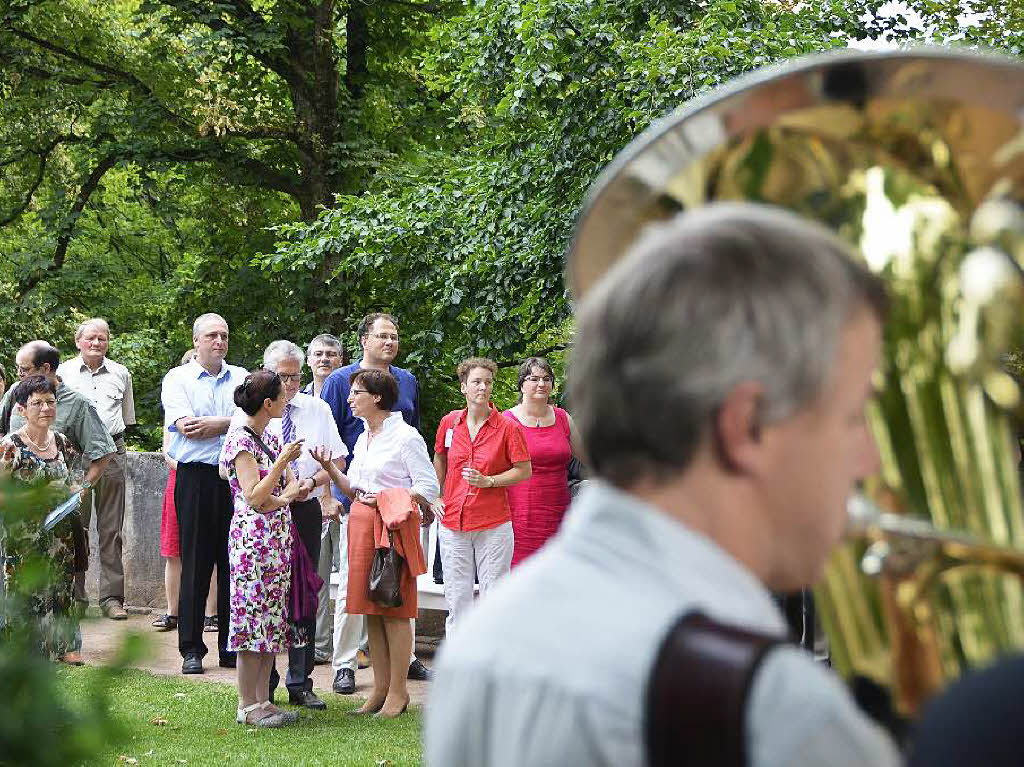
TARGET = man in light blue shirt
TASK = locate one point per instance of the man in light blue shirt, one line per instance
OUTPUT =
(719, 379)
(198, 401)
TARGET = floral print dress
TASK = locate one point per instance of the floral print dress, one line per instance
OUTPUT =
(24, 539)
(259, 556)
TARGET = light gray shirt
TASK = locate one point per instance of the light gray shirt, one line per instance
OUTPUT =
(551, 668)
(108, 388)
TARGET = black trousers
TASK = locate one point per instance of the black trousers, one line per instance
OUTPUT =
(308, 518)
(203, 502)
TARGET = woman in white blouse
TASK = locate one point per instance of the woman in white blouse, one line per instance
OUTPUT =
(388, 454)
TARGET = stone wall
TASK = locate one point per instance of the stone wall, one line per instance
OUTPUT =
(143, 565)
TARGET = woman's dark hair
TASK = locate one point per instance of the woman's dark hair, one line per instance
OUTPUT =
(526, 370)
(33, 385)
(259, 385)
(379, 383)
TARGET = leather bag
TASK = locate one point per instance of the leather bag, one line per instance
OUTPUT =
(386, 575)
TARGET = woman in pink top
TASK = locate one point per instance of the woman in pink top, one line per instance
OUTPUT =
(539, 503)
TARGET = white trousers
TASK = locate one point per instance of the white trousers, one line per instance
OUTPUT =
(350, 630)
(485, 554)
(329, 535)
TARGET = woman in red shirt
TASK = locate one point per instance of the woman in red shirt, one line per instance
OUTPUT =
(477, 454)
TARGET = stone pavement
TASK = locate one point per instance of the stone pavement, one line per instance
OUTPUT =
(101, 638)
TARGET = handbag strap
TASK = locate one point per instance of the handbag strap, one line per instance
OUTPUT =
(694, 711)
(265, 449)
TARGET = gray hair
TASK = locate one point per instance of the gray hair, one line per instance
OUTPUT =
(203, 319)
(324, 339)
(97, 322)
(728, 293)
(279, 350)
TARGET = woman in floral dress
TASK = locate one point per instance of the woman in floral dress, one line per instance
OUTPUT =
(37, 456)
(259, 544)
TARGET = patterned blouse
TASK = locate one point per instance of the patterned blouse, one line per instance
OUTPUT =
(25, 466)
(25, 537)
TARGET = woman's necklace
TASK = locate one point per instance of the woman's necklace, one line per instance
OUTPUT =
(36, 447)
(537, 418)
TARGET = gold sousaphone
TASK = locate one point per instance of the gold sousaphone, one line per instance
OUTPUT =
(916, 158)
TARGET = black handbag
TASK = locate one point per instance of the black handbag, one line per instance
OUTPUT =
(386, 575)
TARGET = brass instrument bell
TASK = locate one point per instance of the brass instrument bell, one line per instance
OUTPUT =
(916, 158)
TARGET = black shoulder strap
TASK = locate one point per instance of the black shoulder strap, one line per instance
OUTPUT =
(6, 408)
(694, 708)
(261, 443)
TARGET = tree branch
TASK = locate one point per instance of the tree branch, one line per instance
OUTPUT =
(19, 209)
(260, 173)
(43, 155)
(244, 12)
(68, 225)
(98, 66)
(425, 7)
(357, 37)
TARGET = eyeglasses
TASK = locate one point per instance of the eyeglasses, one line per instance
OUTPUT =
(290, 377)
(358, 391)
(539, 379)
(385, 336)
(25, 369)
(39, 404)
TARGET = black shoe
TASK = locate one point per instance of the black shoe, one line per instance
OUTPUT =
(228, 661)
(418, 672)
(306, 698)
(192, 664)
(345, 682)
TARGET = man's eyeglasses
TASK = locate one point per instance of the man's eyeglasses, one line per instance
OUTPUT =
(539, 379)
(290, 377)
(385, 336)
(25, 369)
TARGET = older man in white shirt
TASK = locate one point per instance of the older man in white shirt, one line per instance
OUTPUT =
(310, 419)
(719, 380)
(108, 386)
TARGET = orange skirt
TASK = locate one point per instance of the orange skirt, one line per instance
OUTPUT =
(360, 560)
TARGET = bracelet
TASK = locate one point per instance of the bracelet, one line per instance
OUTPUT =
(493, 482)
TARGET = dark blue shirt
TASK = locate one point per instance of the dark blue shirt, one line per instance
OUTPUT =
(335, 394)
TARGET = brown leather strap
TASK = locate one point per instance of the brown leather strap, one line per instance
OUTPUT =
(697, 692)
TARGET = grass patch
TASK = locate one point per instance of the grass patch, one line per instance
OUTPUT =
(200, 726)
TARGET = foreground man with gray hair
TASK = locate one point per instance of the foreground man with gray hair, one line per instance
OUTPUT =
(719, 380)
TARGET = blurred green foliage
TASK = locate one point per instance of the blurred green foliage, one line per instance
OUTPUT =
(38, 726)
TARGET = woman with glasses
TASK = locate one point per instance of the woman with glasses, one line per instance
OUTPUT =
(37, 456)
(477, 456)
(389, 454)
(539, 503)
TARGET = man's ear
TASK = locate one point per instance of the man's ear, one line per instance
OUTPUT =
(737, 427)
